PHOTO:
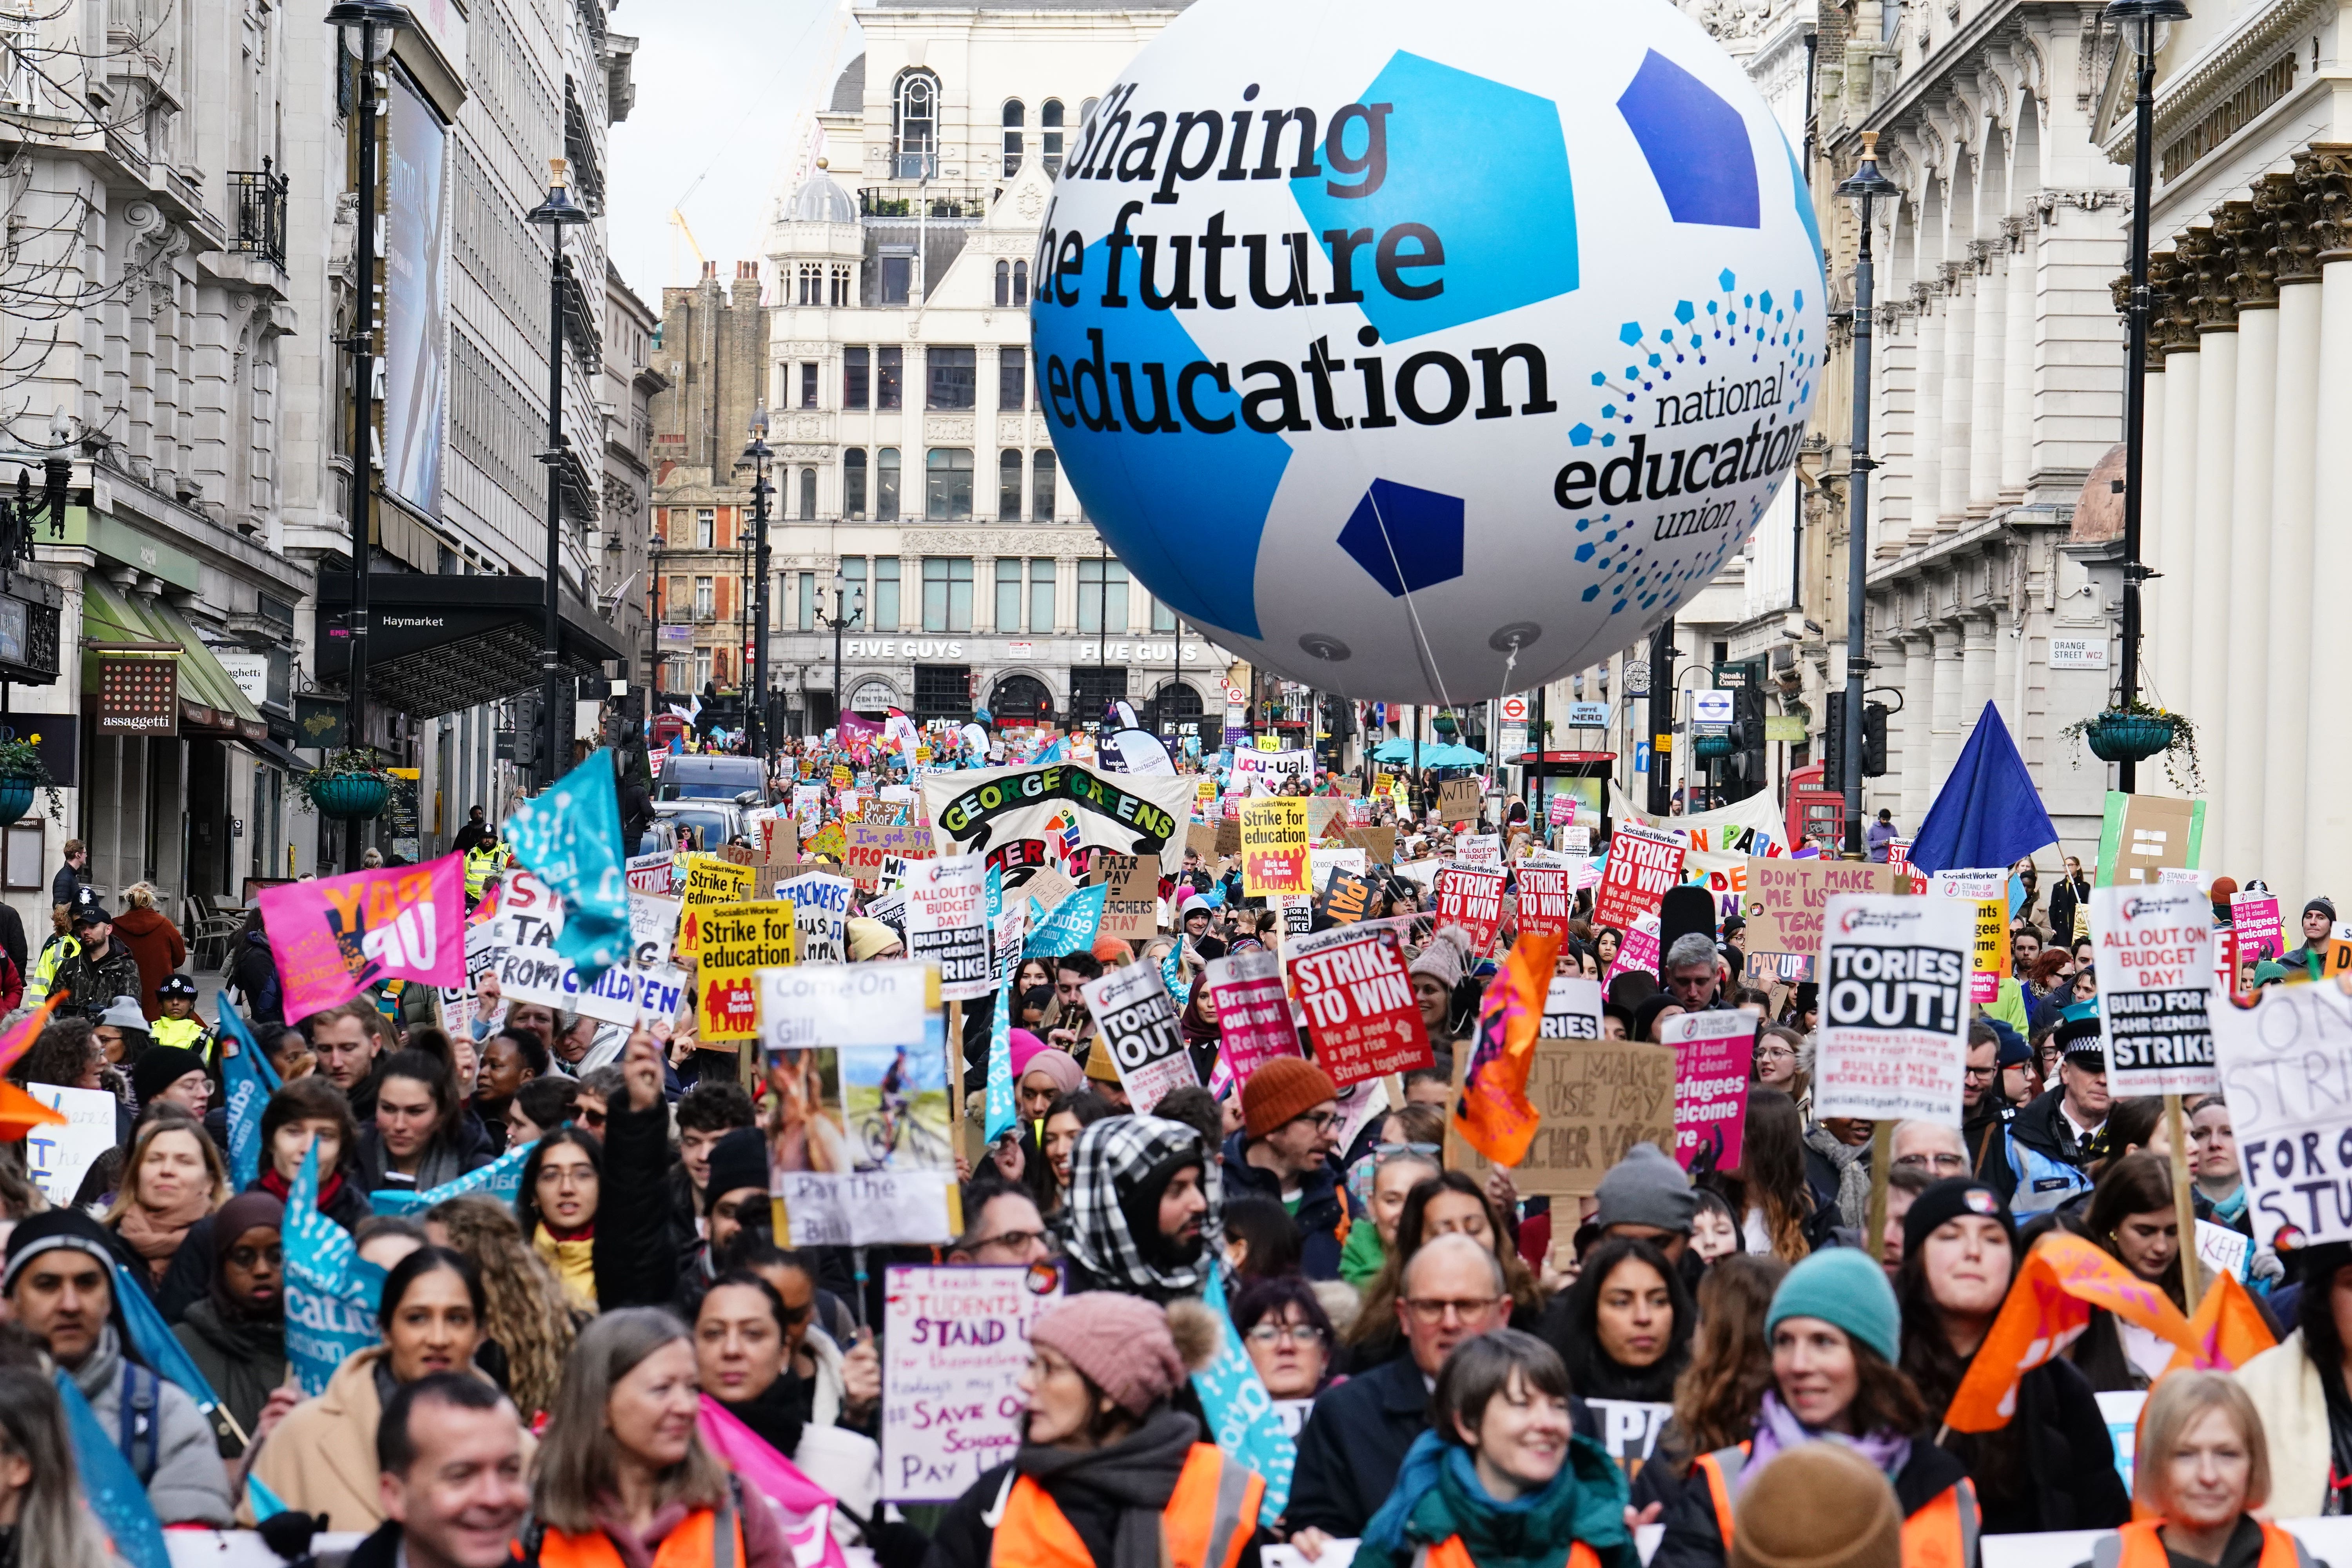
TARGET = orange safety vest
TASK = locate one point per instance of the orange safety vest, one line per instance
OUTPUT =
(2137, 1545)
(1207, 1524)
(697, 1542)
(1942, 1533)
(1451, 1554)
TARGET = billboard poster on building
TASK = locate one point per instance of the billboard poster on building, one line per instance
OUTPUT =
(417, 298)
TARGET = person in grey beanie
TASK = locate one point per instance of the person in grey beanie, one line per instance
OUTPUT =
(1647, 1196)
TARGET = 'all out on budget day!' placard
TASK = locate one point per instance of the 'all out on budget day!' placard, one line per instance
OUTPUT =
(2155, 948)
(1894, 1007)
(956, 1340)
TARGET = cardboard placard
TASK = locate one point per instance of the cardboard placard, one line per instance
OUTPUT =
(1201, 838)
(1893, 1008)
(1786, 898)
(1457, 800)
(1131, 907)
(2143, 834)
(1359, 1001)
(1274, 841)
(870, 843)
(1641, 867)
(1595, 1098)
(1378, 844)
(2155, 948)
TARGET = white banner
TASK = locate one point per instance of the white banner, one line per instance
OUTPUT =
(1894, 1007)
(1716, 844)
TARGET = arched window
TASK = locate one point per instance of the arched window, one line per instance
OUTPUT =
(1049, 115)
(808, 495)
(1021, 283)
(1043, 472)
(915, 117)
(853, 484)
(1015, 116)
(1004, 281)
(885, 485)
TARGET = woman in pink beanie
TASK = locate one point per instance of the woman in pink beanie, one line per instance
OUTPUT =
(1105, 1462)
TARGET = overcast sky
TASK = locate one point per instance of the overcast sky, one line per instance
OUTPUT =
(726, 90)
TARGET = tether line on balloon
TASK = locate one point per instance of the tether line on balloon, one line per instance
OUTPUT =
(1421, 637)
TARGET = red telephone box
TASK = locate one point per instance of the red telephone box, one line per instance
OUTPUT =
(1816, 814)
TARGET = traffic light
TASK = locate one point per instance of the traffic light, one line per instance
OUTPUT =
(1834, 743)
(1744, 769)
(1873, 738)
(527, 737)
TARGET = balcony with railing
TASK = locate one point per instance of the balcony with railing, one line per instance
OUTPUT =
(922, 201)
(259, 200)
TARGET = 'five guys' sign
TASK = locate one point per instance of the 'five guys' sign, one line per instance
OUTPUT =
(1894, 1007)
(2156, 973)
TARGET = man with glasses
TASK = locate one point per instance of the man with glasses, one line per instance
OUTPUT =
(1354, 1442)
(1985, 1107)
(1290, 1124)
(1006, 1227)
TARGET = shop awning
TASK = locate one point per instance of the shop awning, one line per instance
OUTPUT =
(210, 699)
(440, 645)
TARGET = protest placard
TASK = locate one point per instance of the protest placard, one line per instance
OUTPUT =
(2285, 1065)
(1561, 812)
(1987, 888)
(1378, 844)
(60, 1157)
(711, 881)
(1274, 847)
(1347, 898)
(739, 941)
(1257, 770)
(1201, 839)
(1638, 953)
(1641, 867)
(1785, 899)
(1131, 907)
(871, 843)
(1893, 1008)
(1594, 1100)
(1254, 1022)
(2260, 932)
(1457, 800)
(1484, 850)
(946, 923)
(1547, 900)
(1296, 912)
(955, 1343)
(1138, 1020)
(864, 1208)
(813, 1005)
(1322, 860)
(463, 1007)
(1361, 1012)
(1630, 1429)
(651, 873)
(2155, 948)
(1472, 900)
(1571, 1009)
(1713, 1051)
(334, 937)
(1576, 839)
(821, 909)
(2142, 834)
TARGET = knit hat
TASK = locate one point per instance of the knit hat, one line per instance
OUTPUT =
(1026, 1045)
(739, 1160)
(244, 1212)
(125, 1013)
(1187, 896)
(1445, 958)
(1844, 1286)
(868, 938)
(2322, 905)
(1949, 1200)
(1111, 950)
(1280, 1091)
(1060, 1065)
(1101, 1068)
(1645, 1187)
(1119, 1343)
(1646, 1011)
(1818, 1505)
(161, 1068)
(47, 1232)
(2013, 1050)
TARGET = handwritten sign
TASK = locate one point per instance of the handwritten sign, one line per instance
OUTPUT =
(1595, 1099)
(60, 1157)
(871, 843)
(2285, 1065)
(1785, 899)
(1131, 907)
(956, 1341)
(1457, 800)
(820, 908)
(1642, 865)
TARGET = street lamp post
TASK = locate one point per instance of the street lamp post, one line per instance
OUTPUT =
(368, 28)
(1868, 186)
(755, 687)
(653, 619)
(846, 608)
(556, 214)
(2146, 14)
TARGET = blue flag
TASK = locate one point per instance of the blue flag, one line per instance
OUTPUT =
(1988, 813)
(110, 1485)
(331, 1290)
(569, 836)
(500, 1179)
(1172, 974)
(153, 1341)
(264, 1503)
(250, 1081)
(1240, 1413)
(1002, 1114)
(1072, 925)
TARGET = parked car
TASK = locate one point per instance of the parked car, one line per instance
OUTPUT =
(702, 824)
(691, 777)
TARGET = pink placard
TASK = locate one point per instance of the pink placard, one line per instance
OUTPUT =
(1253, 1023)
(2261, 930)
(1639, 951)
(1712, 1054)
(334, 937)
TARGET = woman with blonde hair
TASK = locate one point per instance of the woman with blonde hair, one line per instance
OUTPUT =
(623, 1473)
(173, 1178)
(525, 1310)
(2203, 1471)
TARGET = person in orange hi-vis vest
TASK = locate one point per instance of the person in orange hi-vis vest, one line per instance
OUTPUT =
(1834, 1336)
(1501, 1479)
(2204, 1467)
(622, 1461)
(1108, 1473)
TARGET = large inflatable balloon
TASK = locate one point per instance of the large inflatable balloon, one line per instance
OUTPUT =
(1390, 341)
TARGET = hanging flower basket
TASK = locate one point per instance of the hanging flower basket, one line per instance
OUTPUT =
(22, 774)
(1711, 746)
(15, 797)
(2115, 737)
(348, 786)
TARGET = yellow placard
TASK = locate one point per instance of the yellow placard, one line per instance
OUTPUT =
(1274, 837)
(738, 940)
(710, 882)
(1269, 742)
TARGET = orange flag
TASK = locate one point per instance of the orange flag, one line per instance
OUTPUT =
(2049, 1307)
(20, 1113)
(1495, 1116)
(2228, 1330)
(28, 1029)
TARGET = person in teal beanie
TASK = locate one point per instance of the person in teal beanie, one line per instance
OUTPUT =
(1502, 1479)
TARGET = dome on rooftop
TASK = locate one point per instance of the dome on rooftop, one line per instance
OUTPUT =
(820, 200)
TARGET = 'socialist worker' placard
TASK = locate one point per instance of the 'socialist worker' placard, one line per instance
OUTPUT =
(1894, 999)
(2155, 948)
(1274, 848)
(738, 941)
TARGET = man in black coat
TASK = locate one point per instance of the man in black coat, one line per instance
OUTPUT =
(1291, 1120)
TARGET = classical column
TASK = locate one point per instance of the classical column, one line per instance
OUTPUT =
(2251, 235)
(1959, 388)
(2206, 698)
(1949, 729)
(1991, 259)
(2328, 759)
(1896, 342)
(2166, 542)
(1976, 669)
(1927, 421)
(2286, 669)
(2005, 650)
(2023, 236)
(1918, 729)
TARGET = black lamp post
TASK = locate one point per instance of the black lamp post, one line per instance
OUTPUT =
(1868, 186)
(653, 619)
(755, 684)
(846, 609)
(556, 214)
(26, 508)
(2137, 17)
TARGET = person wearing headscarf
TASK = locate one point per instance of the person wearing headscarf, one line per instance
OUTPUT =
(236, 1333)
(1142, 1210)
(1201, 1028)
(1624, 1329)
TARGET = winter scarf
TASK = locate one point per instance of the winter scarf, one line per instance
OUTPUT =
(1438, 1496)
(1137, 1475)
(278, 1187)
(1777, 1428)
(156, 1233)
(1113, 1169)
(572, 1255)
(775, 1414)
